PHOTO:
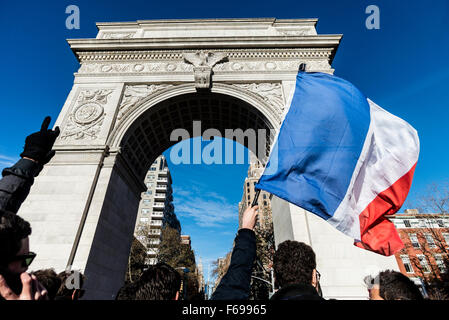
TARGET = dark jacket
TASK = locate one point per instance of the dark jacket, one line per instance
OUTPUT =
(235, 284)
(16, 183)
(299, 291)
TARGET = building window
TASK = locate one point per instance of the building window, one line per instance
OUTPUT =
(440, 263)
(430, 240)
(446, 238)
(248, 197)
(264, 196)
(414, 240)
(247, 184)
(146, 202)
(265, 203)
(149, 192)
(424, 264)
(145, 211)
(143, 219)
(407, 224)
(152, 169)
(407, 265)
(440, 223)
(149, 185)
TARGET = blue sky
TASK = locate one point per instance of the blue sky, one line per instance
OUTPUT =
(403, 67)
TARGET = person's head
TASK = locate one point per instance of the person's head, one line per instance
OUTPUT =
(392, 285)
(71, 285)
(50, 280)
(294, 263)
(15, 255)
(158, 282)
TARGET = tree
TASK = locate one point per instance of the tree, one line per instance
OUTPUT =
(264, 259)
(435, 199)
(179, 256)
(220, 267)
(136, 261)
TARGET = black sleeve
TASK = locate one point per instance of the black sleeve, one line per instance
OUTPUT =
(235, 284)
(16, 183)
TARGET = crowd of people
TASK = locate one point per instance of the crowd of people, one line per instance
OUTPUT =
(294, 263)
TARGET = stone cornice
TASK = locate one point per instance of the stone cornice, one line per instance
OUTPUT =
(145, 55)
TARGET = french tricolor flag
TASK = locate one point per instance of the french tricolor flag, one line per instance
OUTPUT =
(343, 158)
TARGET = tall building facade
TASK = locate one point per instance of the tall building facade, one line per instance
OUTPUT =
(156, 208)
(426, 245)
(200, 276)
(255, 171)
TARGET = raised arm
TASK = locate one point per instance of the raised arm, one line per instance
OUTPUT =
(18, 179)
(235, 284)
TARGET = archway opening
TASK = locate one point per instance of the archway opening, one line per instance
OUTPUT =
(151, 135)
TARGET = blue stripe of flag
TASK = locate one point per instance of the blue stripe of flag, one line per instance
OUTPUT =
(319, 143)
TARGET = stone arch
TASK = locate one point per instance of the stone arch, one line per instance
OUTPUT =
(140, 136)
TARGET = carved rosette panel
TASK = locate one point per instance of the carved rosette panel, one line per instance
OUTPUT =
(271, 93)
(271, 65)
(135, 68)
(133, 95)
(87, 116)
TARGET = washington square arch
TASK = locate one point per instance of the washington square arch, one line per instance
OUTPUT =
(137, 82)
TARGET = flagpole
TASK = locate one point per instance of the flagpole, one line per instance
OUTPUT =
(256, 197)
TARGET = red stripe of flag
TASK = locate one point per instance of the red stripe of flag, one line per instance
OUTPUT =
(378, 234)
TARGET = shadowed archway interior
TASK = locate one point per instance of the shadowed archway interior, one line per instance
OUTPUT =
(149, 135)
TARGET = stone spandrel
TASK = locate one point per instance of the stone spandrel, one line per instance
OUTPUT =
(87, 115)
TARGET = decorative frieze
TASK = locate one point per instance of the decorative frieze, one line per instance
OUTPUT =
(183, 67)
(87, 116)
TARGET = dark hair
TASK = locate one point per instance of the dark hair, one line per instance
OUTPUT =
(12, 230)
(293, 262)
(65, 293)
(127, 292)
(158, 282)
(394, 285)
(50, 280)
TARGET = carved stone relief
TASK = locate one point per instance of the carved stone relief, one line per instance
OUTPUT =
(271, 93)
(87, 116)
(118, 35)
(297, 32)
(203, 62)
(135, 94)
